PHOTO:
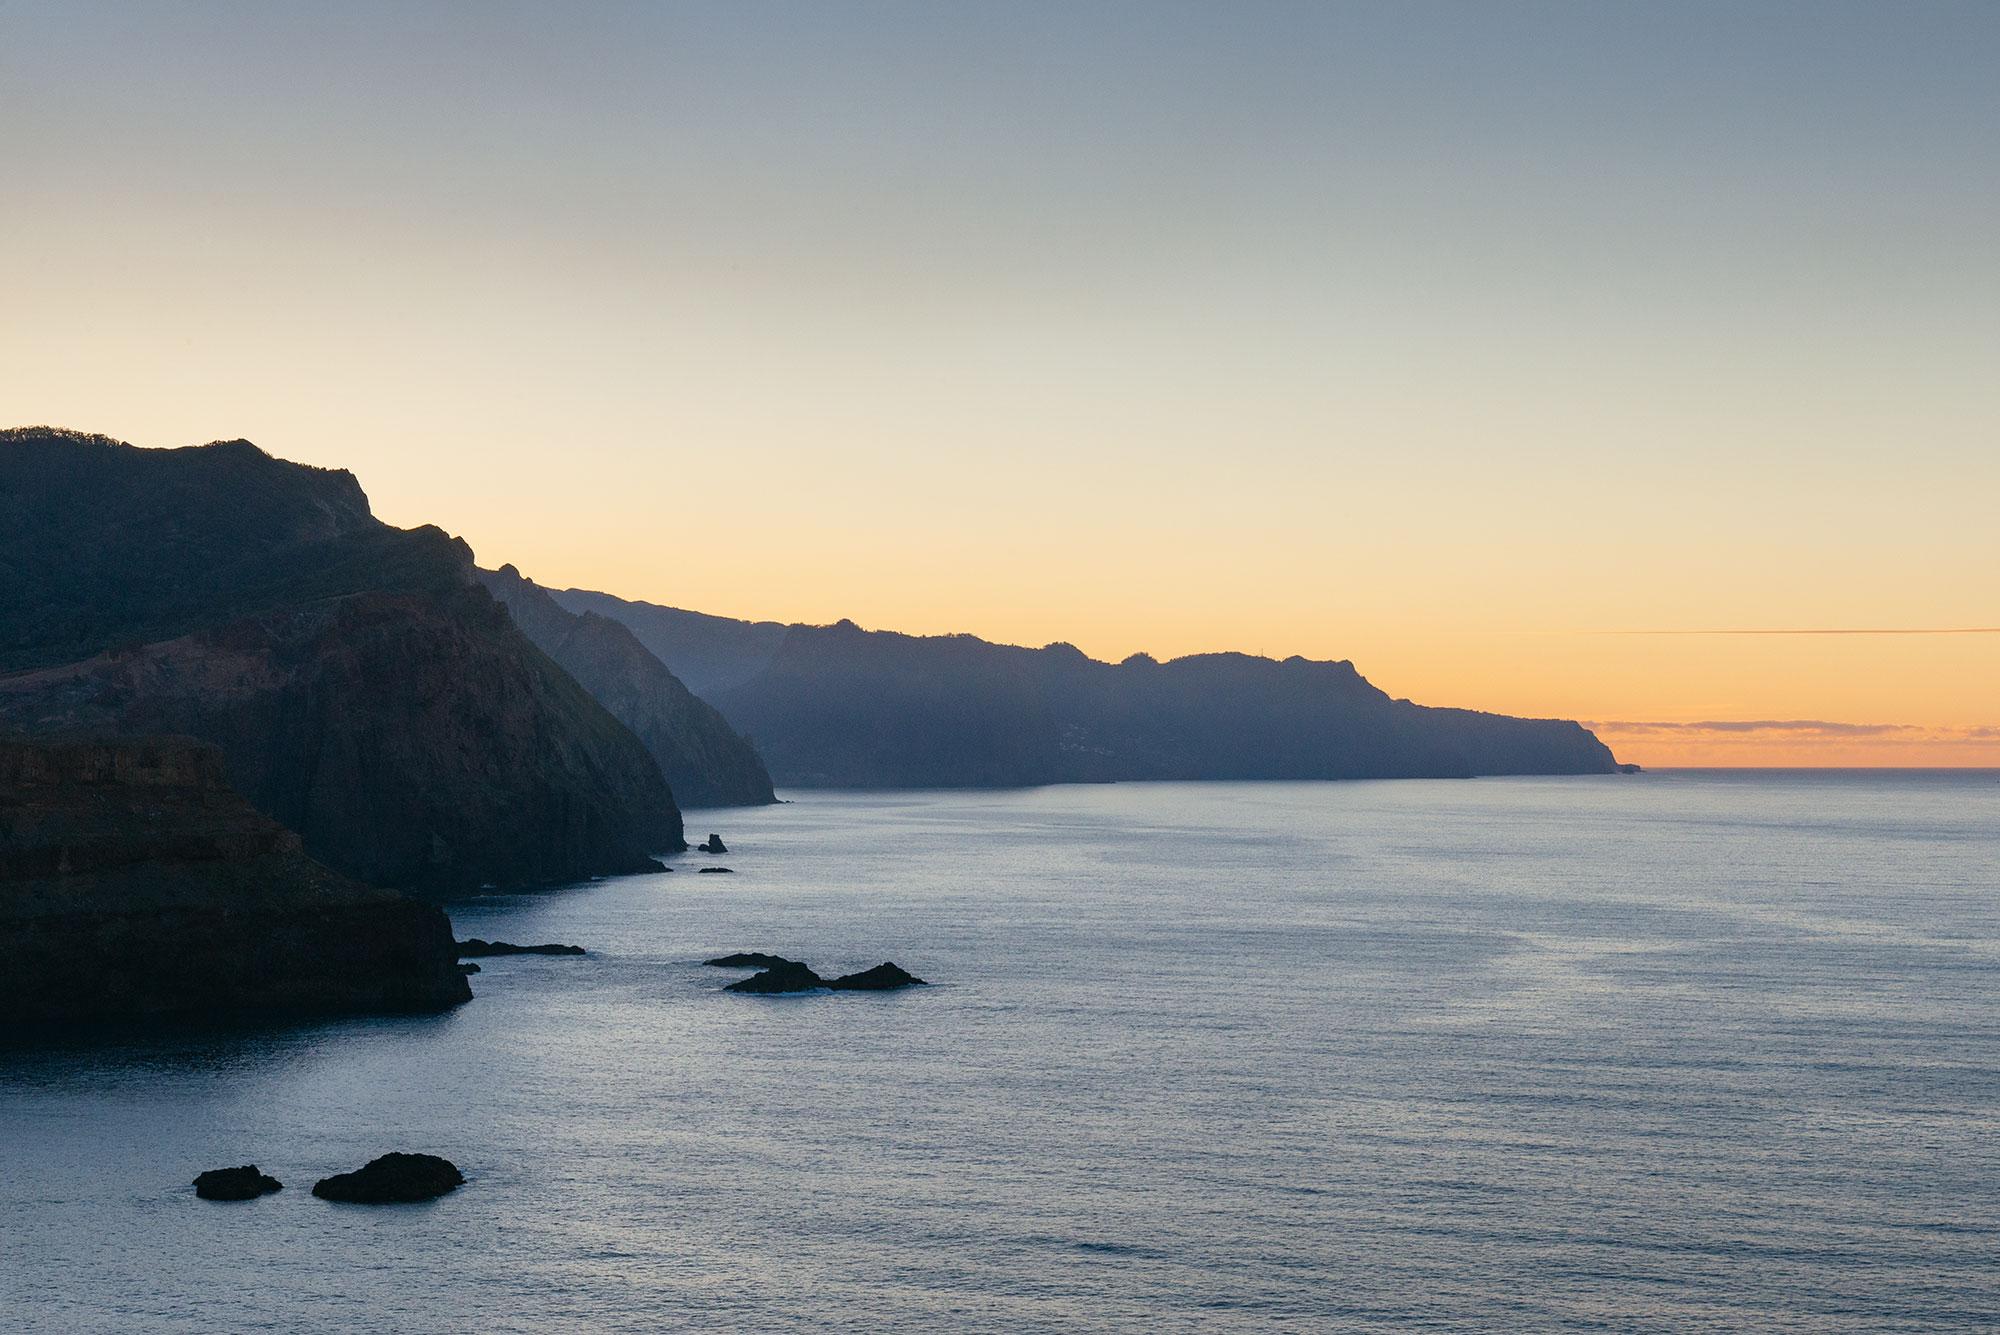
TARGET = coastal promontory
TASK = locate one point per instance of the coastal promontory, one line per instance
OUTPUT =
(364, 689)
(842, 707)
(135, 882)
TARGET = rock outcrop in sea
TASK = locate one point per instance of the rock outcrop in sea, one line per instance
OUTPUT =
(392, 1179)
(782, 975)
(748, 959)
(235, 1184)
(788, 976)
(886, 977)
(134, 882)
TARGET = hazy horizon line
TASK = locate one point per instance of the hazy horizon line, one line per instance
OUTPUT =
(1817, 727)
(1841, 630)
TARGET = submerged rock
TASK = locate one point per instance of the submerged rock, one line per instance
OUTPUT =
(714, 845)
(716, 869)
(475, 948)
(749, 959)
(883, 977)
(392, 1178)
(235, 1184)
(788, 976)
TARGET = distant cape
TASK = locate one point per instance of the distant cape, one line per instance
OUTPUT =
(842, 707)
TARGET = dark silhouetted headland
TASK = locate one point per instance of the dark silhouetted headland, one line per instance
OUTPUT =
(837, 706)
(365, 690)
(135, 881)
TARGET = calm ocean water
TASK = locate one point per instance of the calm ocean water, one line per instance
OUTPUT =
(1670, 1052)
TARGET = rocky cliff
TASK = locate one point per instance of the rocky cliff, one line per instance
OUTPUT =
(364, 689)
(706, 762)
(134, 881)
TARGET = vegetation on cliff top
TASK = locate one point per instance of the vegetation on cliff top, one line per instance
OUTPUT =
(104, 544)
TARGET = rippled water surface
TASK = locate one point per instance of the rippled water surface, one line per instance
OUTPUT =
(1676, 1052)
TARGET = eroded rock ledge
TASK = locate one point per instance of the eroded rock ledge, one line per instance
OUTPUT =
(781, 975)
(135, 881)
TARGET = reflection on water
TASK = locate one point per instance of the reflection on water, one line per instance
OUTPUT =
(138, 1053)
(1660, 1053)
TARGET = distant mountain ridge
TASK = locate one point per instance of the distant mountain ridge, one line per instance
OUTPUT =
(838, 706)
(710, 654)
(706, 763)
(365, 691)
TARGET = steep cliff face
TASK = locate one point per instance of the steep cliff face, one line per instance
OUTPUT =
(134, 881)
(365, 690)
(412, 742)
(705, 761)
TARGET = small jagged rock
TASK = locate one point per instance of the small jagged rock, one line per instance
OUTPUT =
(392, 1178)
(714, 845)
(749, 959)
(468, 968)
(716, 869)
(475, 948)
(791, 976)
(235, 1184)
(883, 977)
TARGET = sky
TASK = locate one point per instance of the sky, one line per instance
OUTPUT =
(1503, 349)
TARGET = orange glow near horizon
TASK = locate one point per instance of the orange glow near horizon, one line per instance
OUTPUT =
(1433, 634)
(1800, 744)
(1845, 700)
(1348, 332)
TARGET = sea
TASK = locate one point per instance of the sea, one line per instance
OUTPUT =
(1671, 1052)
